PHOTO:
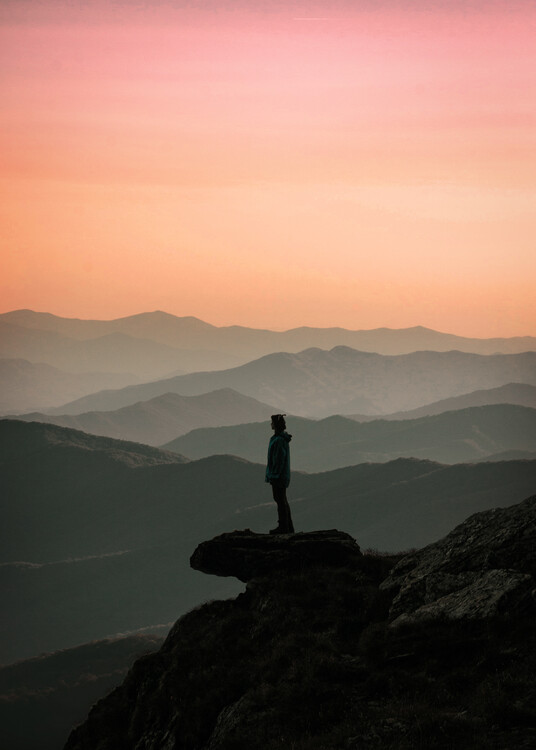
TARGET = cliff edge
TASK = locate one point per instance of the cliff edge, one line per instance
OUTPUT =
(331, 648)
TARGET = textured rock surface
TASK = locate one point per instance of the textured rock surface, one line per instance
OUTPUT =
(247, 555)
(485, 566)
(304, 658)
(490, 593)
(235, 673)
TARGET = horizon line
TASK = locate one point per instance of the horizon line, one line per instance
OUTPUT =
(257, 328)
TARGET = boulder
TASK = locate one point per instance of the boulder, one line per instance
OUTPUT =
(247, 555)
(490, 593)
(484, 567)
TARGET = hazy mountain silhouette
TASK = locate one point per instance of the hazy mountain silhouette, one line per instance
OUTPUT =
(26, 385)
(317, 383)
(450, 437)
(43, 698)
(113, 351)
(38, 444)
(165, 417)
(521, 394)
(105, 527)
(192, 333)
(511, 455)
(157, 326)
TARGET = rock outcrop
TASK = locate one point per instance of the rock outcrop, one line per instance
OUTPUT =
(485, 567)
(227, 668)
(307, 657)
(247, 555)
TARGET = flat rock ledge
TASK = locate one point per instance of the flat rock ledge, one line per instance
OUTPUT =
(247, 555)
(485, 567)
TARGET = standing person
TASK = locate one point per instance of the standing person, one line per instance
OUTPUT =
(278, 473)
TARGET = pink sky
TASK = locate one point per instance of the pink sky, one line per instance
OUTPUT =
(373, 167)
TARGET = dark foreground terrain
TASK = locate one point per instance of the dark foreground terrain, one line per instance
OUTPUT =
(41, 698)
(331, 648)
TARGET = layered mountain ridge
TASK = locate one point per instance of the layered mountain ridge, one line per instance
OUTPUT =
(164, 417)
(96, 528)
(189, 332)
(29, 385)
(520, 394)
(322, 445)
(317, 383)
(156, 346)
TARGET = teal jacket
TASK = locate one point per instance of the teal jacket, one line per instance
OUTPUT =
(278, 466)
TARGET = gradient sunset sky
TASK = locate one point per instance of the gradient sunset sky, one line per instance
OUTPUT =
(272, 164)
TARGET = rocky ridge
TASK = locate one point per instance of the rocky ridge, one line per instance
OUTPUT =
(331, 648)
(486, 566)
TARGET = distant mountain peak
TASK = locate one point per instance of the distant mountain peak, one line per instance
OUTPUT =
(162, 314)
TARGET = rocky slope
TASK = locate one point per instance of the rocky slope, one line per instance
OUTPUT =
(486, 566)
(316, 653)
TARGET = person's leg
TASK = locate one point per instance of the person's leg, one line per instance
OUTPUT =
(290, 525)
(281, 520)
(284, 525)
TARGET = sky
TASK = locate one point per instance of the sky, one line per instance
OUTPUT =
(271, 164)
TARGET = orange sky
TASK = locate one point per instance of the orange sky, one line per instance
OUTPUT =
(272, 164)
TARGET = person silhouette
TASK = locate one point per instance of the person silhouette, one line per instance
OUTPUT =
(278, 473)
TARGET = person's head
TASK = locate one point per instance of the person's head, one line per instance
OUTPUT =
(278, 422)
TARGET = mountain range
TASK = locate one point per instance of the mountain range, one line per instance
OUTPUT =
(112, 351)
(404, 433)
(521, 394)
(316, 383)
(190, 333)
(27, 385)
(451, 437)
(95, 533)
(155, 345)
(164, 417)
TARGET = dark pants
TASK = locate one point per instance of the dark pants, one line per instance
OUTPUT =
(284, 519)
